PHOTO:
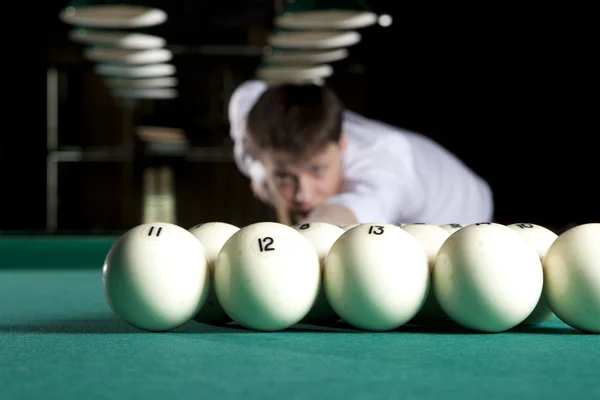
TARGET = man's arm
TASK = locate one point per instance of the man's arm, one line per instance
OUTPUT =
(335, 214)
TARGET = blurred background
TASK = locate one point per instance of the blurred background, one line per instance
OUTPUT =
(507, 88)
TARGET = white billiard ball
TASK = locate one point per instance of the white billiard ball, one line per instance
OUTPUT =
(267, 276)
(154, 276)
(213, 236)
(322, 236)
(572, 269)
(376, 277)
(431, 238)
(487, 278)
(540, 239)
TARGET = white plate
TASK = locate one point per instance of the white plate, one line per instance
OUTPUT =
(156, 94)
(113, 16)
(129, 71)
(141, 83)
(127, 56)
(314, 39)
(306, 56)
(326, 19)
(294, 73)
(126, 40)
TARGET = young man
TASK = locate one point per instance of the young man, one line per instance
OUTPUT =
(304, 153)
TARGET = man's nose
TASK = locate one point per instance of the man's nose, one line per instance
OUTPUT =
(304, 192)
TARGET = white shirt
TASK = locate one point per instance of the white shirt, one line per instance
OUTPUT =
(391, 175)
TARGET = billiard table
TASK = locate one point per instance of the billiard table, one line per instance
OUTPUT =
(59, 339)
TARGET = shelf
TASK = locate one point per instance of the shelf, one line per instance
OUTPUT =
(75, 154)
(115, 155)
(207, 154)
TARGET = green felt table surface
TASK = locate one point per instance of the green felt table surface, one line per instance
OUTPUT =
(59, 339)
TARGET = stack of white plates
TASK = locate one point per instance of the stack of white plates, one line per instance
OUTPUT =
(133, 64)
(306, 42)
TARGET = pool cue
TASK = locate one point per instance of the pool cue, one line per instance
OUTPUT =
(283, 216)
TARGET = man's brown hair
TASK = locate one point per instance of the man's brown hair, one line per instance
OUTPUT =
(297, 119)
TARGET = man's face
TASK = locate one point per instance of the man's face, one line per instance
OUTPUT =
(307, 184)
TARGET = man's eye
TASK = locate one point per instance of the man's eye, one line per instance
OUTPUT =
(317, 169)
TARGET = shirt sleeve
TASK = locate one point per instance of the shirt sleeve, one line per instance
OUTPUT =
(385, 194)
(240, 104)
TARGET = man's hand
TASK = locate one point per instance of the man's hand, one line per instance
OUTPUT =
(331, 213)
(260, 192)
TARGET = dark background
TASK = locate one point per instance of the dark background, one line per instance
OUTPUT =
(509, 88)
